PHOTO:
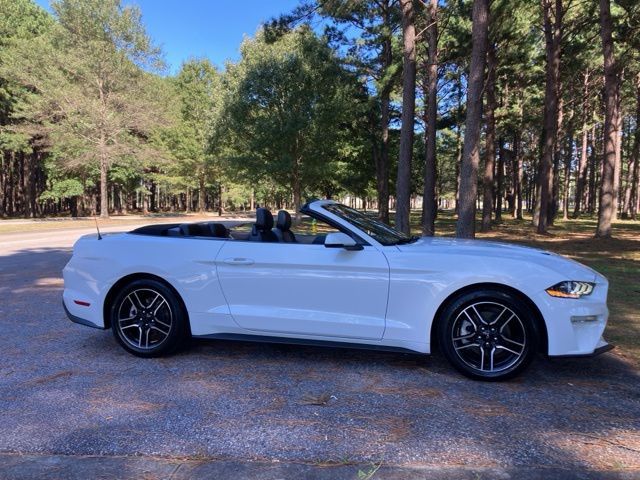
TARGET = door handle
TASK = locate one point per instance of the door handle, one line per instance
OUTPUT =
(238, 261)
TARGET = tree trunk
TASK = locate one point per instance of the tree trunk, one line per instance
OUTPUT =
(465, 227)
(552, 46)
(429, 208)
(607, 187)
(382, 164)
(517, 176)
(618, 159)
(490, 139)
(500, 181)
(297, 190)
(4, 163)
(557, 158)
(631, 188)
(221, 205)
(201, 193)
(566, 178)
(593, 163)
(28, 193)
(458, 142)
(635, 186)
(403, 182)
(10, 185)
(104, 187)
(581, 175)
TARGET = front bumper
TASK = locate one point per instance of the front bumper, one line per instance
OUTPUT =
(603, 347)
(575, 327)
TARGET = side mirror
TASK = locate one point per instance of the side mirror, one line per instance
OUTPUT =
(341, 240)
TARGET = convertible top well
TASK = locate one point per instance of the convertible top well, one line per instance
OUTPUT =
(202, 229)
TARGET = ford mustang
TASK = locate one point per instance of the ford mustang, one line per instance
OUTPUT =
(341, 278)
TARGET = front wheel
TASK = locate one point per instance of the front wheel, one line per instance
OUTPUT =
(487, 335)
(147, 318)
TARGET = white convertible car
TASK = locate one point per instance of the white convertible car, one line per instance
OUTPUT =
(348, 280)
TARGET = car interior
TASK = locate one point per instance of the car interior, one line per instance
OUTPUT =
(262, 230)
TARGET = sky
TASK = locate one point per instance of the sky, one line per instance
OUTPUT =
(203, 28)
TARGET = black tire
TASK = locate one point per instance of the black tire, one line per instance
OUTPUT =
(147, 319)
(487, 335)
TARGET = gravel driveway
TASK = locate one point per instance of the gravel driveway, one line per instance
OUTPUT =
(70, 390)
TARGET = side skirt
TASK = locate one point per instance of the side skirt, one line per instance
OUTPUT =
(306, 342)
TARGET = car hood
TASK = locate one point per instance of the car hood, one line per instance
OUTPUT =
(481, 248)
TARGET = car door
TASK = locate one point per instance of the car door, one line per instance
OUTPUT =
(305, 289)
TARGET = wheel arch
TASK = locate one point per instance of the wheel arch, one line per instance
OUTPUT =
(113, 291)
(539, 323)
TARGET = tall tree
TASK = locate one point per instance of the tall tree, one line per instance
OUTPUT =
(490, 150)
(403, 183)
(371, 53)
(385, 88)
(552, 14)
(22, 148)
(198, 86)
(631, 188)
(429, 207)
(611, 113)
(287, 105)
(581, 174)
(465, 227)
(94, 100)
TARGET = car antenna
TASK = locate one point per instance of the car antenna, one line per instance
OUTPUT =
(97, 228)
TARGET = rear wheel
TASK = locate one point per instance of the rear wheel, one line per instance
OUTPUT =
(147, 318)
(488, 335)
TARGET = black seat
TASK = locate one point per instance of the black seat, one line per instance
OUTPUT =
(194, 230)
(218, 230)
(283, 227)
(204, 229)
(261, 230)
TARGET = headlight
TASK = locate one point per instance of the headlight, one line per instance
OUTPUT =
(571, 289)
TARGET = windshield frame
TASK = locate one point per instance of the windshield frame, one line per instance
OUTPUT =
(372, 227)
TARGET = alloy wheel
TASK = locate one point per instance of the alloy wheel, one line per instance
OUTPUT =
(144, 319)
(488, 337)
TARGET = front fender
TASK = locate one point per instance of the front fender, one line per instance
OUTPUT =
(420, 283)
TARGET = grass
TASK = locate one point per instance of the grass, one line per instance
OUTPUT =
(67, 223)
(617, 258)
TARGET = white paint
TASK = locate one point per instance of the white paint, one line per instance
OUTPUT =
(380, 295)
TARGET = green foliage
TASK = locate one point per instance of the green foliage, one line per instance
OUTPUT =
(63, 189)
(20, 21)
(288, 107)
(85, 89)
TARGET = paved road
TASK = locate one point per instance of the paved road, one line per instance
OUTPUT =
(70, 390)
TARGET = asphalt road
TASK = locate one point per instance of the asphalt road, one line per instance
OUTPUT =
(66, 389)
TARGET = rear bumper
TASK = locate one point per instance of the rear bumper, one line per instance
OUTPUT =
(79, 320)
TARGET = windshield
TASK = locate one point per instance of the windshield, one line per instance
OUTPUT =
(370, 225)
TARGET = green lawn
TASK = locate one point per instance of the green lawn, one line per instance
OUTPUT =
(67, 223)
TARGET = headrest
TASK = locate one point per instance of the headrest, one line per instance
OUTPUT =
(219, 230)
(264, 219)
(193, 230)
(284, 221)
